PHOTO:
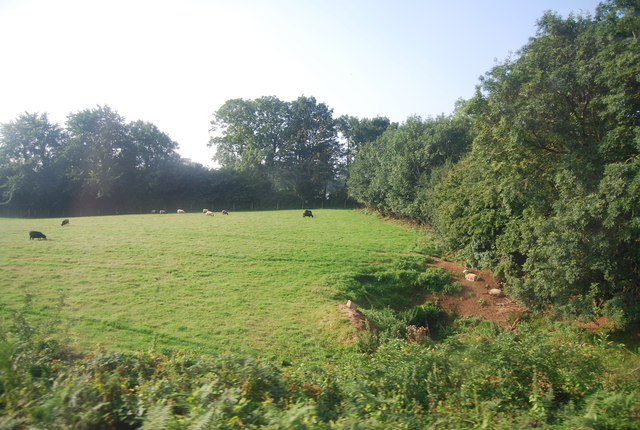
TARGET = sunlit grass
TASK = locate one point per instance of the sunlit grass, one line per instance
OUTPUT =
(252, 282)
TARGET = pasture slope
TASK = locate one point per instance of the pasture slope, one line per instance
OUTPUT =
(250, 282)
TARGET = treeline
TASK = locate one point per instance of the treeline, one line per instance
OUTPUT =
(100, 164)
(273, 154)
(538, 175)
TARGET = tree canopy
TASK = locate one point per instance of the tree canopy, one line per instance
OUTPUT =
(293, 144)
(547, 192)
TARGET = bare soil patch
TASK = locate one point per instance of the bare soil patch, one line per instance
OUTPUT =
(475, 300)
(357, 318)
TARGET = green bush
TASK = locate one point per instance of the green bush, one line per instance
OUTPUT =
(548, 375)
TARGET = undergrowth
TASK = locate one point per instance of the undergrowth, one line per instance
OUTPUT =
(393, 284)
(545, 375)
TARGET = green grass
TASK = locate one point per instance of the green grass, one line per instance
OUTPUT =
(250, 282)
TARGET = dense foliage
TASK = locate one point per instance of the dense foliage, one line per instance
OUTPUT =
(547, 192)
(395, 172)
(544, 375)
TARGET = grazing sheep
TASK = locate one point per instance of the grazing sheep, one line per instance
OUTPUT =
(495, 292)
(307, 213)
(162, 211)
(64, 222)
(470, 277)
(154, 211)
(225, 212)
(180, 211)
(36, 235)
(204, 211)
(209, 213)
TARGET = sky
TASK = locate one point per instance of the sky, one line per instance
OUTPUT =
(175, 62)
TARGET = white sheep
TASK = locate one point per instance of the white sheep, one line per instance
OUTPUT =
(204, 211)
(180, 211)
(469, 276)
(209, 213)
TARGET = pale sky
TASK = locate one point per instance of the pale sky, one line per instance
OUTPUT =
(175, 62)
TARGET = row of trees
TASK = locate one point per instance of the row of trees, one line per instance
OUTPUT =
(272, 153)
(97, 164)
(538, 175)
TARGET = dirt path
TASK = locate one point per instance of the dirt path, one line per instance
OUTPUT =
(475, 299)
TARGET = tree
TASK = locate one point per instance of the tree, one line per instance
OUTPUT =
(98, 148)
(99, 164)
(150, 147)
(253, 132)
(28, 147)
(357, 132)
(310, 156)
(390, 173)
(293, 144)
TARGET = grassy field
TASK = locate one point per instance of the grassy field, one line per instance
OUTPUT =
(252, 282)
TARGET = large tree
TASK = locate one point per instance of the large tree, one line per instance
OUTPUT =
(293, 144)
(253, 132)
(311, 153)
(359, 131)
(99, 150)
(28, 147)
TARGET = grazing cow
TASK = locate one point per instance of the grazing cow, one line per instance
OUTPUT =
(162, 211)
(209, 213)
(180, 211)
(36, 235)
(64, 222)
(307, 213)
(225, 212)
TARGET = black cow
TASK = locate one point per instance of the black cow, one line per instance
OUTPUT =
(64, 222)
(307, 213)
(36, 235)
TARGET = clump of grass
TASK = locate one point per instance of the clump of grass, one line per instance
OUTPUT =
(395, 284)
(428, 247)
